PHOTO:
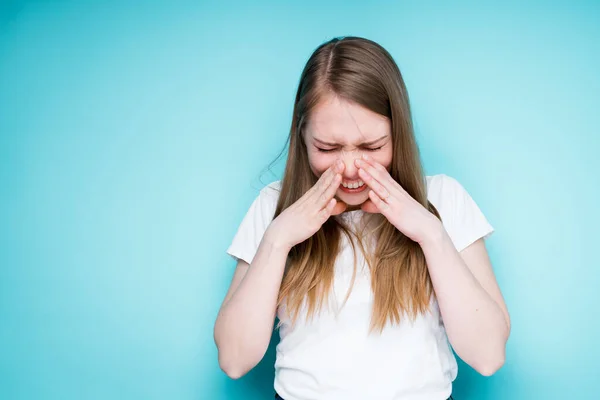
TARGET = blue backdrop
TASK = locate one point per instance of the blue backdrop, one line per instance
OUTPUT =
(133, 137)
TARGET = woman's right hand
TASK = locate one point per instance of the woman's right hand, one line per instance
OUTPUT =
(305, 217)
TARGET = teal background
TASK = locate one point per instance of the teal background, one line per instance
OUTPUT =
(134, 135)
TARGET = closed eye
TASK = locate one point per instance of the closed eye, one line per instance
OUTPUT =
(375, 149)
(330, 150)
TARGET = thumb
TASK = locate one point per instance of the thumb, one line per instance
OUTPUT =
(339, 207)
(370, 207)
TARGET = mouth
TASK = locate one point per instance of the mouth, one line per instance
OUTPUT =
(353, 187)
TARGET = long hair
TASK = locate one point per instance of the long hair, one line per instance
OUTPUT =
(360, 71)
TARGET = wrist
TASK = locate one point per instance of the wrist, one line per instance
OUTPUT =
(276, 240)
(435, 237)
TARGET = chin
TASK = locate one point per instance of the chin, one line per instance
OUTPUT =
(352, 199)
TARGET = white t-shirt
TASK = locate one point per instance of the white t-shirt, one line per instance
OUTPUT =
(333, 357)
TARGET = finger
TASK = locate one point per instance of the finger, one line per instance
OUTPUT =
(381, 205)
(369, 160)
(339, 208)
(324, 179)
(321, 187)
(370, 207)
(317, 195)
(329, 191)
(377, 171)
(326, 212)
(373, 184)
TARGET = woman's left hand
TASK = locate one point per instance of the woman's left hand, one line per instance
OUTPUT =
(392, 201)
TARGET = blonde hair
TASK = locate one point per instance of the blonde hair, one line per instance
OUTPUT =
(361, 71)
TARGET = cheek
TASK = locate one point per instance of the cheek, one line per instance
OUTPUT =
(319, 162)
(384, 157)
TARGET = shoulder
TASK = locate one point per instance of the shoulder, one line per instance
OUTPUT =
(442, 188)
(446, 193)
(269, 194)
(266, 200)
(255, 222)
(272, 189)
(459, 212)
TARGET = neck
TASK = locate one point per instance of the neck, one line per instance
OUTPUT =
(353, 208)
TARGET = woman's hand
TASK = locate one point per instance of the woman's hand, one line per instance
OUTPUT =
(305, 217)
(392, 201)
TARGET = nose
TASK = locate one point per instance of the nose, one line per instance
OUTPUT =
(350, 169)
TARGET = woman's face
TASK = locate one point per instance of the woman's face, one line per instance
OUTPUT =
(338, 129)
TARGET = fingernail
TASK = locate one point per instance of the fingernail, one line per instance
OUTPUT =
(366, 157)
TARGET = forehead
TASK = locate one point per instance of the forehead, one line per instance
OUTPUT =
(340, 121)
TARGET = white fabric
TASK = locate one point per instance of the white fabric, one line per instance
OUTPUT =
(334, 358)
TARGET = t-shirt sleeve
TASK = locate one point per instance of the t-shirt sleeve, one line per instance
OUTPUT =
(464, 221)
(253, 226)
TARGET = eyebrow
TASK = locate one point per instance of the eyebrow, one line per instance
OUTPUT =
(364, 144)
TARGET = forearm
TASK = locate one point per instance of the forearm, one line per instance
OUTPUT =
(245, 322)
(475, 323)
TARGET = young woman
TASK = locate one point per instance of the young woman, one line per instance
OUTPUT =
(372, 268)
